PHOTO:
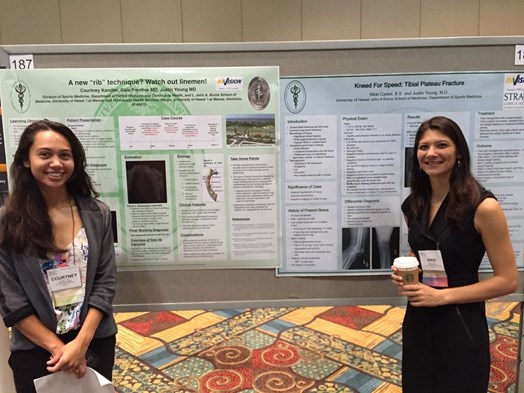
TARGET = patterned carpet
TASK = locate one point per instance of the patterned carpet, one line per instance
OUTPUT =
(285, 350)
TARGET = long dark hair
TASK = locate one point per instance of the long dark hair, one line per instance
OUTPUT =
(26, 225)
(464, 188)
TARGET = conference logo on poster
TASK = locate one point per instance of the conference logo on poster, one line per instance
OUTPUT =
(230, 83)
(20, 96)
(295, 96)
(513, 97)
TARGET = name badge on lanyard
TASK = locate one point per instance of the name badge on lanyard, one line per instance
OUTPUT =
(65, 285)
(434, 272)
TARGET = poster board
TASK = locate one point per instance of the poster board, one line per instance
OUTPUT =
(218, 288)
(186, 158)
(348, 152)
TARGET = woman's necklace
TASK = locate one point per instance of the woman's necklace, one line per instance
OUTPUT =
(73, 230)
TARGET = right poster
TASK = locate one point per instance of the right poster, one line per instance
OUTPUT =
(345, 143)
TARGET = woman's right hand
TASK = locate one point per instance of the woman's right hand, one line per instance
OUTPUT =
(71, 358)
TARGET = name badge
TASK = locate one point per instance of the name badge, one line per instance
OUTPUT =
(65, 285)
(64, 278)
(434, 272)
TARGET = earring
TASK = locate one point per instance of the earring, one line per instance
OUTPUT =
(459, 163)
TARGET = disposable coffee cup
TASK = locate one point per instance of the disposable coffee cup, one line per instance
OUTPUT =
(407, 268)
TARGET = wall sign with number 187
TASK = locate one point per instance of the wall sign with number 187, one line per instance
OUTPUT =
(21, 62)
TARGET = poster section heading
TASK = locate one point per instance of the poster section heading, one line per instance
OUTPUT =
(347, 146)
(186, 158)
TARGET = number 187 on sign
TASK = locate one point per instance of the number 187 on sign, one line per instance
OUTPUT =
(21, 62)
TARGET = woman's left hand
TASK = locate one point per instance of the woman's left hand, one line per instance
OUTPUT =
(421, 295)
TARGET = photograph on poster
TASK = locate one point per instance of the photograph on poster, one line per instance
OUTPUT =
(250, 131)
(385, 246)
(146, 182)
(408, 156)
(369, 248)
(114, 226)
(355, 248)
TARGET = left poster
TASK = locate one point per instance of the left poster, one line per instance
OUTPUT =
(186, 158)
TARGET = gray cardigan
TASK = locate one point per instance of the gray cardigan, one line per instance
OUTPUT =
(23, 291)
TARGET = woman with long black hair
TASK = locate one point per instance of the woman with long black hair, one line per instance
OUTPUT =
(452, 222)
(57, 263)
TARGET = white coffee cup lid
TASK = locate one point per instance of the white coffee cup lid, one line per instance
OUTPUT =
(405, 262)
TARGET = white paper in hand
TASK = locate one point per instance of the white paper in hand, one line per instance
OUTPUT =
(91, 382)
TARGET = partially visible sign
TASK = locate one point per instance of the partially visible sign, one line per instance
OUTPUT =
(519, 54)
